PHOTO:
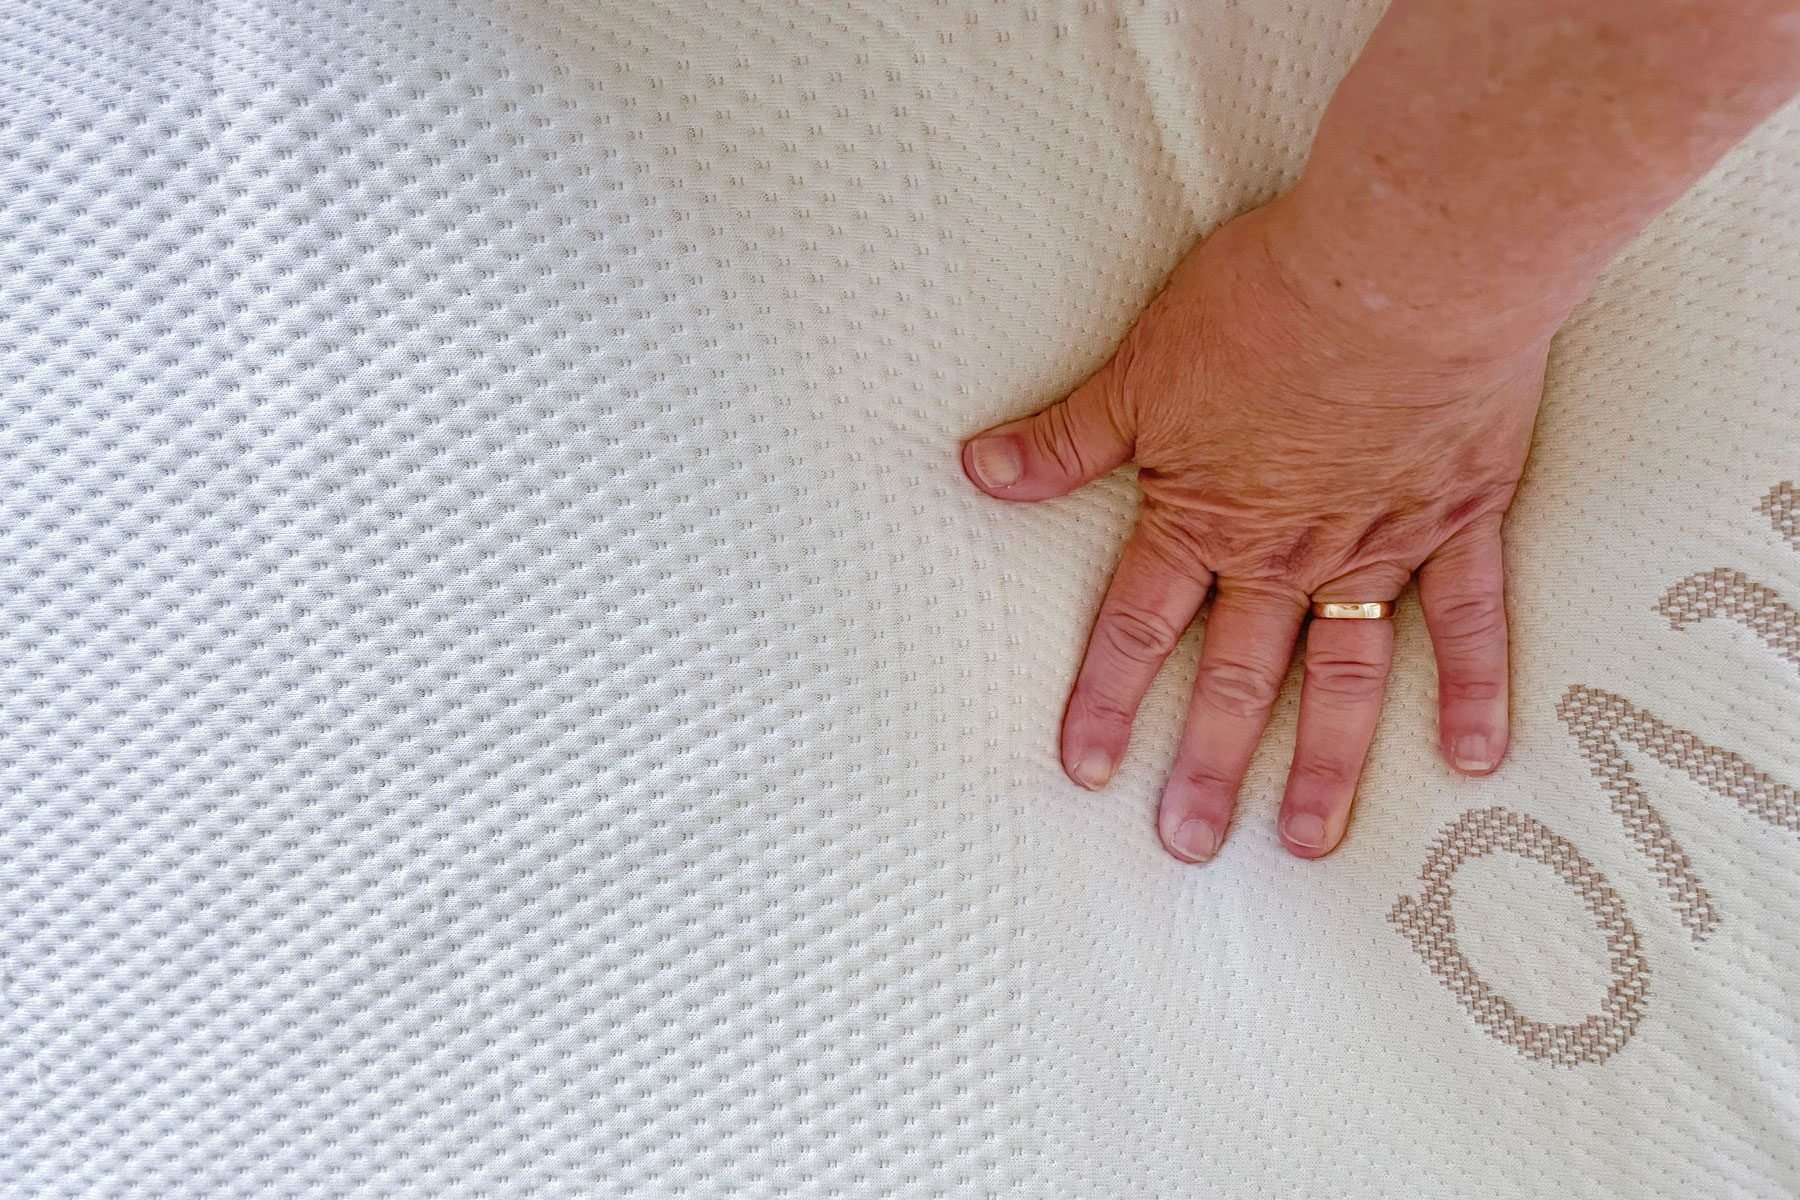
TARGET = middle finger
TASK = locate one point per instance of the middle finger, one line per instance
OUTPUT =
(1248, 643)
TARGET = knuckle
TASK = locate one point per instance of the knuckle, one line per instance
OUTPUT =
(1378, 577)
(1053, 436)
(1117, 372)
(1352, 679)
(1472, 619)
(1175, 538)
(1139, 636)
(1322, 774)
(1097, 706)
(1208, 782)
(1236, 688)
(1480, 514)
(1463, 688)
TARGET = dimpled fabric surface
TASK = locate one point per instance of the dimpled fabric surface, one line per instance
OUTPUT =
(504, 690)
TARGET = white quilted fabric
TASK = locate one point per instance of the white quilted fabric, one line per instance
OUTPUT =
(505, 692)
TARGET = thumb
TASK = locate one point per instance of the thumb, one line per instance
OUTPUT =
(1075, 441)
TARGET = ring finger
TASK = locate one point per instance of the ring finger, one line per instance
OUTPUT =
(1340, 701)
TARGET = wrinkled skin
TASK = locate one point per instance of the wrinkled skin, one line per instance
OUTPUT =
(1291, 448)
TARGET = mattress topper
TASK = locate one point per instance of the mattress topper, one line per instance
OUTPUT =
(506, 691)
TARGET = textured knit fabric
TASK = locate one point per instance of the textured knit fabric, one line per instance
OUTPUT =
(505, 691)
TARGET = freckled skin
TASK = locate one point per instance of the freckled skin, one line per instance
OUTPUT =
(1337, 390)
(1265, 439)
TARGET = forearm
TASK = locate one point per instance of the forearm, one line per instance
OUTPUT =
(1484, 159)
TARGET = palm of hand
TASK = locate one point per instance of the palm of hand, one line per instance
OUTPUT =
(1284, 458)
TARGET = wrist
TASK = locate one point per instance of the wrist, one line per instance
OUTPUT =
(1403, 282)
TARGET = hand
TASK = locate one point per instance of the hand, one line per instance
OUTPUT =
(1295, 441)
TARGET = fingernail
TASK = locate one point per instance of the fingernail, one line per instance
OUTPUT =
(1092, 771)
(1195, 841)
(995, 461)
(1306, 831)
(1470, 753)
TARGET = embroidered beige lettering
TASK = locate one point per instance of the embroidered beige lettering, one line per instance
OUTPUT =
(1429, 924)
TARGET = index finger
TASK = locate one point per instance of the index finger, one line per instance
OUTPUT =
(1149, 605)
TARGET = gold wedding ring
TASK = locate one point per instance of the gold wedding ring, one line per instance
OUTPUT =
(1370, 610)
